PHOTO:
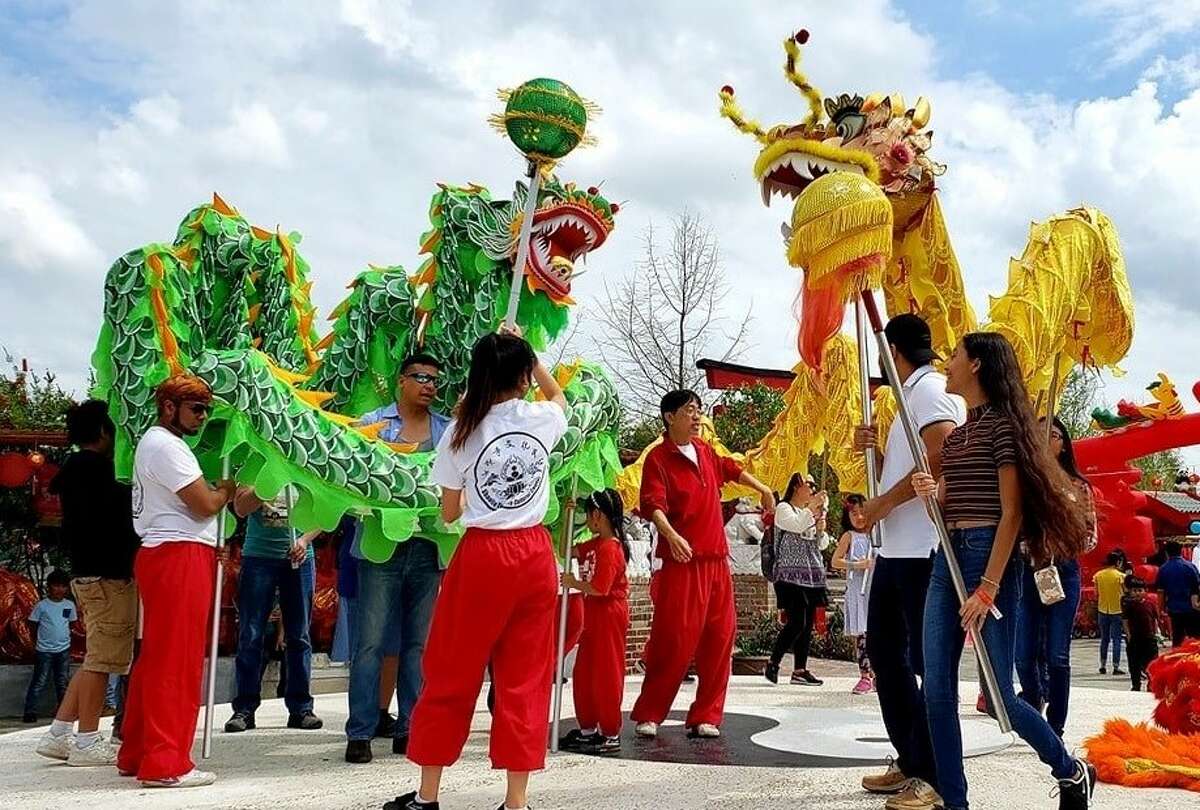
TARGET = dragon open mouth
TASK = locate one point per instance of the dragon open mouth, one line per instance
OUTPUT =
(562, 234)
(792, 172)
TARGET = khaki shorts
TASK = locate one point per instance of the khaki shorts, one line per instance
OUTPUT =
(109, 608)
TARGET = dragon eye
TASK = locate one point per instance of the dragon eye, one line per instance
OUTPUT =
(849, 126)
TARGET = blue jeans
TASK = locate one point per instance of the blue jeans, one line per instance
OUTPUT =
(1110, 629)
(944, 639)
(261, 577)
(1045, 637)
(392, 615)
(45, 665)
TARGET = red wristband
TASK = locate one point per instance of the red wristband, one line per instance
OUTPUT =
(984, 597)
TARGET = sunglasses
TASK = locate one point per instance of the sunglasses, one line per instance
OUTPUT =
(421, 378)
(197, 408)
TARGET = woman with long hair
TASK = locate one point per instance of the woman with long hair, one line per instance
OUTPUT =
(798, 574)
(497, 597)
(998, 480)
(1047, 618)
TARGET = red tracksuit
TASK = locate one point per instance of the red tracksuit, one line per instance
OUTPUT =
(496, 603)
(600, 664)
(175, 581)
(694, 615)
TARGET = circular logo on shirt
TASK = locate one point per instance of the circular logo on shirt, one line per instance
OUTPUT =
(510, 470)
(138, 494)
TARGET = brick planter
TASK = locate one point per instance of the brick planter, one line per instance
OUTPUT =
(750, 664)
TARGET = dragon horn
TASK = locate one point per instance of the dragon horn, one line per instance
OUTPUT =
(731, 110)
(791, 69)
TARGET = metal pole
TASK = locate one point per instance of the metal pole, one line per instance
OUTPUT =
(561, 653)
(935, 512)
(289, 497)
(214, 631)
(518, 272)
(864, 383)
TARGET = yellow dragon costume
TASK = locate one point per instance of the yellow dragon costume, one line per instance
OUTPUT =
(1068, 299)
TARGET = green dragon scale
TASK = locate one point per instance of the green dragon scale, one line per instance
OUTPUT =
(230, 303)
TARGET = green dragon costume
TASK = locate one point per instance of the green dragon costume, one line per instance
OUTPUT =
(230, 303)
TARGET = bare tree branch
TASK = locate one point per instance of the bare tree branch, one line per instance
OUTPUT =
(657, 323)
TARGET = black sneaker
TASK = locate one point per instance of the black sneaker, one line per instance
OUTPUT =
(409, 802)
(576, 740)
(1103, 670)
(605, 745)
(241, 721)
(772, 673)
(358, 751)
(802, 677)
(306, 721)
(386, 725)
(400, 745)
(1076, 793)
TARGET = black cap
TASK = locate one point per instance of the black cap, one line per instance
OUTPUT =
(911, 336)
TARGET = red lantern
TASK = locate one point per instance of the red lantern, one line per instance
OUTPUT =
(15, 469)
(45, 472)
(1147, 573)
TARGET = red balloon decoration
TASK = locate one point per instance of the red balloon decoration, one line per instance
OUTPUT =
(15, 469)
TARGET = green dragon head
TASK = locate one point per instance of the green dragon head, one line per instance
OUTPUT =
(876, 136)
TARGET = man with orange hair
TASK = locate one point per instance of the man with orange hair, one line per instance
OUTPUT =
(174, 511)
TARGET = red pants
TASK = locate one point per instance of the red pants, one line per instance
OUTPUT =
(600, 665)
(176, 583)
(693, 616)
(574, 619)
(497, 604)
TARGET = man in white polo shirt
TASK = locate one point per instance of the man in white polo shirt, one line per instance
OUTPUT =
(174, 511)
(895, 614)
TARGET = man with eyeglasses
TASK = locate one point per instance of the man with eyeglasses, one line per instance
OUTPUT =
(395, 598)
(174, 511)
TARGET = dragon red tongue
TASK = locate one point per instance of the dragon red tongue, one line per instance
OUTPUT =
(820, 314)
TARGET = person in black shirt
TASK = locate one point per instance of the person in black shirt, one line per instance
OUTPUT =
(1142, 620)
(97, 530)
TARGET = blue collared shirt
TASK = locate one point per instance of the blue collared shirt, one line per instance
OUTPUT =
(394, 427)
(391, 432)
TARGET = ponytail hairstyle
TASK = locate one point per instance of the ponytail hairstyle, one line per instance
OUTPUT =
(848, 504)
(500, 366)
(608, 503)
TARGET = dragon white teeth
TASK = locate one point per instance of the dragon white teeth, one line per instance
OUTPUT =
(766, 193)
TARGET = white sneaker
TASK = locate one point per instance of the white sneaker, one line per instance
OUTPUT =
(646, 729)
(52, 747)
(706, 730)
(192, 778)
(100, 752)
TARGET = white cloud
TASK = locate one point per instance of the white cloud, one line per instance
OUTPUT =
(1183, 72)
(253, 134)
(160, 113)
(37, 231)
(1138, 26)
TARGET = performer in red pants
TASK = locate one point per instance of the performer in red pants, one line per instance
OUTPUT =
(600, 666)
(497, 597)
(693, 610)
(174, 511)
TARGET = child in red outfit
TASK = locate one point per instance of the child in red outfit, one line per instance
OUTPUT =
(600, 666)
(693, 609)
(498, 594)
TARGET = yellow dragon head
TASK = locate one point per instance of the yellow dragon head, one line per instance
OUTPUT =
(876, 136)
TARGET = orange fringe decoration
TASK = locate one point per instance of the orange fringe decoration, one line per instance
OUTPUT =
(1175, 679)
(1145, 757)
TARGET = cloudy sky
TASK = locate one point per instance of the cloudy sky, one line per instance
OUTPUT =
(336, 119)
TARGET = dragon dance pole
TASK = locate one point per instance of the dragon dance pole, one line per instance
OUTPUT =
(864, 382)
(935, 512)
(561, 653)
(518, 273)
(210, 691)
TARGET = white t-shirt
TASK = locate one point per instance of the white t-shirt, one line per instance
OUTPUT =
(162, 465)
(908, 532)
(689, 450)
(505, 465)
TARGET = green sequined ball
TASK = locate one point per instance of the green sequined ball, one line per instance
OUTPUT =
(545, 119)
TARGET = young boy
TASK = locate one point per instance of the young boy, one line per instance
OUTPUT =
(1142, 621)
(51, 619)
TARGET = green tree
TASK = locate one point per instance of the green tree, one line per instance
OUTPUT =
(639, 432)
(746, 414)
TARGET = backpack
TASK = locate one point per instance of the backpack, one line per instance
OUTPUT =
(766, 553)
